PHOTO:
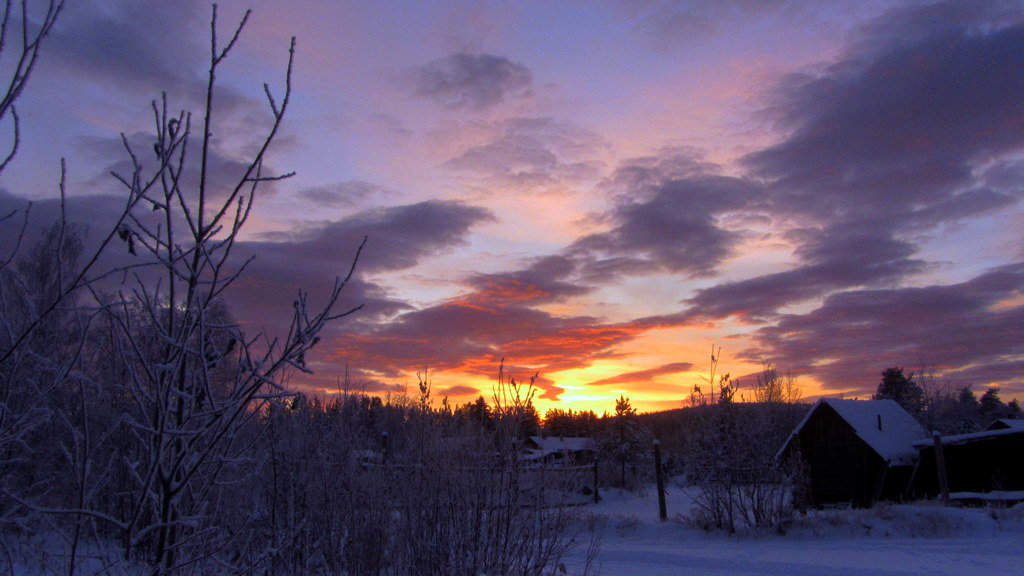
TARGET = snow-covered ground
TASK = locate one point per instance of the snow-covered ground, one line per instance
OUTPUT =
(919, 539)
(888, 540)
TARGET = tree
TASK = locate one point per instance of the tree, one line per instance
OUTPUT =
(189, 427)
(570, 423)
(967, 399)
(624, 409)
(991, 406)
(774, 388)
(512, 401)
(28, 34)
(896, 385)
(476, 413)
(21, 39)
(951, 410)
(188, 383)
(624, 441)
(42, 326)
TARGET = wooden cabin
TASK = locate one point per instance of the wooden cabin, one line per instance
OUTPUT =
(979, 463)
(855, 452)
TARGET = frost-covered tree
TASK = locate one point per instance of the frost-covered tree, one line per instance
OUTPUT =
(22, 32)
(196, 381)
(180, 387)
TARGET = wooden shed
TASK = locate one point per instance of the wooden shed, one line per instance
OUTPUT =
(979, 463)
(855, 451)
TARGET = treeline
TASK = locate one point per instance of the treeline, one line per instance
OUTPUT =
(351, 484)
(943, 407)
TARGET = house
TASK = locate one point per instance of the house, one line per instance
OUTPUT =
(985, 462)
(855, 451)
(561, 469)
(563, 450)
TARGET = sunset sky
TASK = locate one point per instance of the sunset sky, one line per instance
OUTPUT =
(596, 191)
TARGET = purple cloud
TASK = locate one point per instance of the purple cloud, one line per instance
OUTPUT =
(126, 45)
(894, 133)
(472, 81)
(398, 237)
(675, 229)
(906, 132)
(546, 280)
(128, 42)
(832, 260)
(971, 329)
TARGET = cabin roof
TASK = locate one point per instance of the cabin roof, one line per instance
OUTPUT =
(973, 436)
(1004, 423)
(563, 443)
(893, 440)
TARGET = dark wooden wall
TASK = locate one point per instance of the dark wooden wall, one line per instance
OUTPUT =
(977, 465)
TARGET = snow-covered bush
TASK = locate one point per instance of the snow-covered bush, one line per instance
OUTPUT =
(730, 461)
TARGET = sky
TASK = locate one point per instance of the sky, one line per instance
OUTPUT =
(599, 193)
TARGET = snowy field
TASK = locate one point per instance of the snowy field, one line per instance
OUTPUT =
(889, 540)
(920, 539)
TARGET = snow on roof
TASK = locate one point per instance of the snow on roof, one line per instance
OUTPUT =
(893, 440)
(1003, 423)
(965, 438)
(994, 496)
(563, 444)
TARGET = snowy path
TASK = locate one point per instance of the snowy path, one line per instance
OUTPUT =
(1000, 555)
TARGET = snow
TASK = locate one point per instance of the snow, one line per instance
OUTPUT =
(966, 438)
(563, 443)
(888, 540)
(883, 424)
(994, 496)
(1007, 423)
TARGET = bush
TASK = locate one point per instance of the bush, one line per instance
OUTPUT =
(729, 463)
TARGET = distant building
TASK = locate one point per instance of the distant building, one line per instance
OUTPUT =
(561, 468)
(855, 451)
(563, 450)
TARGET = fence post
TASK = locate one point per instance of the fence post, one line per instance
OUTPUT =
(385, 445)
(660, 475)
(597, 497)
(940, 467)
